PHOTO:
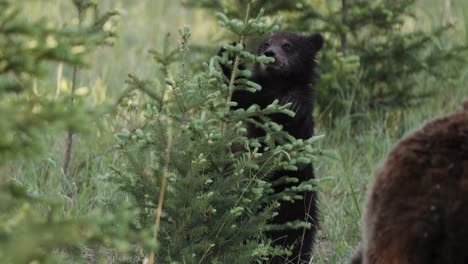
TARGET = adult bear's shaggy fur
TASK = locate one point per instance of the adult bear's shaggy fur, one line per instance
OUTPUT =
(417, 208)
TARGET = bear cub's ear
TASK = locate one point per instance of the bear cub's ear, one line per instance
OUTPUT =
(317, 41)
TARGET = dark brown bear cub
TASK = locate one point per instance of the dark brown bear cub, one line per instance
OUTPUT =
(288, 79)
(417, 209)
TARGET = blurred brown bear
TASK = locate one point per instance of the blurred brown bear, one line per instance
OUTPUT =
(417, 208)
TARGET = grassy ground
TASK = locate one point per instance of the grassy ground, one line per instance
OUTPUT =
(142, 26)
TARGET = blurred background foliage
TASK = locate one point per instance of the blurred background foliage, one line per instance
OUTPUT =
(375, 55)
(386, 67)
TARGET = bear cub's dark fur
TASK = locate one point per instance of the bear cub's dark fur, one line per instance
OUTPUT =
(290, 80)
(417, 208)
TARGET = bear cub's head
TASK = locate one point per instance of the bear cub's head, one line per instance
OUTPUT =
(294, 54)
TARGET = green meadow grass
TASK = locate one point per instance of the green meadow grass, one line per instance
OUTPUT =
(143, 26)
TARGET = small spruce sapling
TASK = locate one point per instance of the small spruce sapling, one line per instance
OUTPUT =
(217, 203)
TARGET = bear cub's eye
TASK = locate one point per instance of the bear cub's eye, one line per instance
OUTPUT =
(286, 47)
(266, 45)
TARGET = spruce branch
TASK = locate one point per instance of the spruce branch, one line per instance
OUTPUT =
(165, 173)
(237, 60)
(344, 11)
(237, 57)
(69, 145)
(58, 78)
(165, 59)
(183, 46)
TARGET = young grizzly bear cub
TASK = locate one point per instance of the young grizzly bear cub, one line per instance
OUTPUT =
(288, 79)
(417, 209)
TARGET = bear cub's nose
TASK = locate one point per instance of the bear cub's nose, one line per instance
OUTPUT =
(270, 52)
